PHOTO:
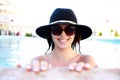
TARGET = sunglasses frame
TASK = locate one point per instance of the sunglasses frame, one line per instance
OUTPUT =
(57, 30)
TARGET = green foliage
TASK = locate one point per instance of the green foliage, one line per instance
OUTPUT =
(111, 30)
(116, 34)
(100, 34)
(28, 34)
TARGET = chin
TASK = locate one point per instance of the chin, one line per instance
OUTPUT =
(63, 47)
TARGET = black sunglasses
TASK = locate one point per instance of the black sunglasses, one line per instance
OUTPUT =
(57, 30)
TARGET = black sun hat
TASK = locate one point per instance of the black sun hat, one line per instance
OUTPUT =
(63, 16)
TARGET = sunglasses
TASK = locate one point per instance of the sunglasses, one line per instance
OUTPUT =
(57, 30)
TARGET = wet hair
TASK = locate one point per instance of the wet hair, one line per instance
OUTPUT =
(75, 44)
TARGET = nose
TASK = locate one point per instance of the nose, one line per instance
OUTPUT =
(63, 33)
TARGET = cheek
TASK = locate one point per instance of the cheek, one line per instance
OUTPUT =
(72, 37)
(54, 38)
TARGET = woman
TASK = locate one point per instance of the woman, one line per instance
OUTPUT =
(63, 35)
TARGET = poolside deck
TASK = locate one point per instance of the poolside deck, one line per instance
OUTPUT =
(59, 74)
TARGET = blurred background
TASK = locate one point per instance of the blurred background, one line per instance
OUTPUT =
(19, 19)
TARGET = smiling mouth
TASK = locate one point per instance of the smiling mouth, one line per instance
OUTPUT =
(63, 40)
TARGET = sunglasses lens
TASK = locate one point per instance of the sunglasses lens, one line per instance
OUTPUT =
(56, 30)
(70, 31)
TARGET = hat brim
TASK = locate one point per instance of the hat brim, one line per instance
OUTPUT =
(43, 31)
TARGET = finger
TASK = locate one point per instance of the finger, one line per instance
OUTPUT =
(28, 67)
(79, 66)
(72, 66)
(36, 66)
(19, 66)
(44, 66)
(87, 66)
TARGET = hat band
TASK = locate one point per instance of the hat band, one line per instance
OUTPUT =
(71, 22)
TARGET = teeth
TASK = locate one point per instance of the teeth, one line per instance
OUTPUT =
(63, 40)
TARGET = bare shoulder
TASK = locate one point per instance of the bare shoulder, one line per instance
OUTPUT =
(39, 58)
(87, 59)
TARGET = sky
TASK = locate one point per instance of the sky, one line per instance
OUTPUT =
(95, 13)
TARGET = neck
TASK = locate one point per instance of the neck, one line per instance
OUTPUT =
(64, 54)
(62, 57)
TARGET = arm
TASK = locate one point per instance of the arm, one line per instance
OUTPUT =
(85, 62)
(89, 60)
(37, 64)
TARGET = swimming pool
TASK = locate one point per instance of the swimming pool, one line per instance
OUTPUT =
(112, 41)
(15, 50)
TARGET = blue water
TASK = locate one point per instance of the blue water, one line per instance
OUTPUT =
(112, 41)
(9, 46)
(15, 50)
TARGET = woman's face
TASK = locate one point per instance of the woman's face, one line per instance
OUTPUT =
(63, 36)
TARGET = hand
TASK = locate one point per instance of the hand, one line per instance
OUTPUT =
(78, 67)
(37, 66)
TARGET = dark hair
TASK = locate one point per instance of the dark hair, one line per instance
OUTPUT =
(74, 44)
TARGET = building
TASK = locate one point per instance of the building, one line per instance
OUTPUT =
(5, 19)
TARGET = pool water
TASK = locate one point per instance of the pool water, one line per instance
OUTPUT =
(112, 41)
(8, 47)
(20, 50)
(15, 50)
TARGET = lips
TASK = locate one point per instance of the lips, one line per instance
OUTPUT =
(63, 40)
